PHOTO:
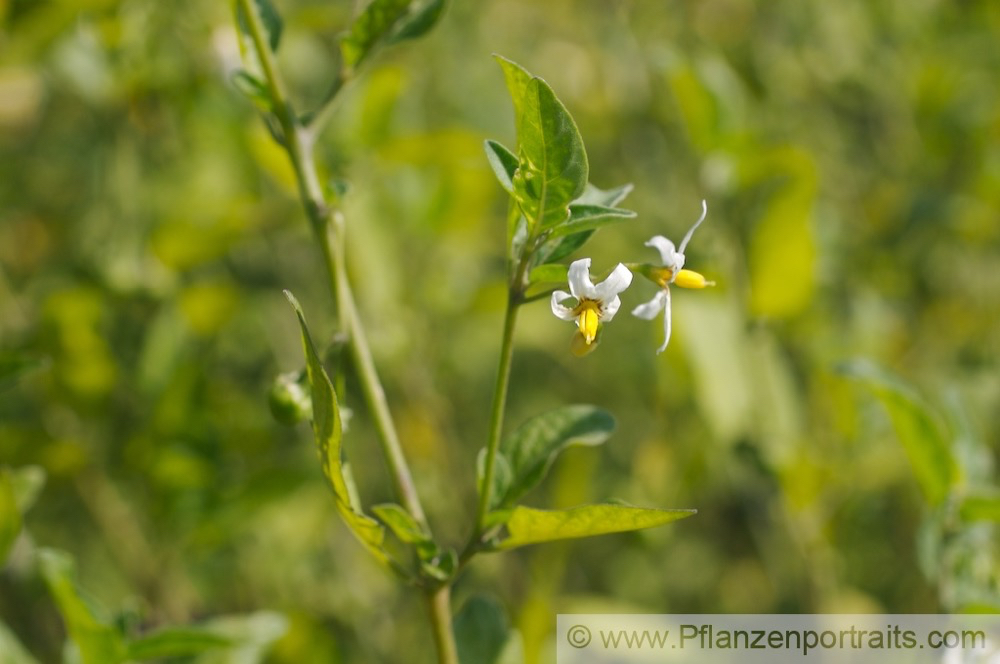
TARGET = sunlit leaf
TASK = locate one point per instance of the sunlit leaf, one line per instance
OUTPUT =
(504, 164)
(98, 641)
(481, 630)
(269, 16)
(917, 428)
(328, 432)
(533, 447)
(526, 525)
(176, 642)
(553, 167)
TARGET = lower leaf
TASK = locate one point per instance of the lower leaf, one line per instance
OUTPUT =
(526, 525)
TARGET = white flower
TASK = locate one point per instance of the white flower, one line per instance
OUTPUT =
(594, 304)
(670, 271)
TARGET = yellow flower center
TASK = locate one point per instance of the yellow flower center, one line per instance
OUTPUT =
(588, 318)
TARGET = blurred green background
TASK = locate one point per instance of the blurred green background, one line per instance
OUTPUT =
(850, 156)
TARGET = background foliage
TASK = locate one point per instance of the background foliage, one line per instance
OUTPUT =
(850, 154)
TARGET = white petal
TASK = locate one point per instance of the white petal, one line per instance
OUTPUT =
(579, 280)
(666, 322)
(559, 309)
(619, 279)
(610, 307)
(668, 254)
(649, 310)
(687, 238)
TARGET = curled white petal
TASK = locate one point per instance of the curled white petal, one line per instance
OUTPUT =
(580, 284)
(666, 321)
(619, 279)
(559, 309)
(669, 256)
(649, 310)
(687, 238)
(610, 307)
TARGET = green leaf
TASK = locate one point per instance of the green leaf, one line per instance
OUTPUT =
(253, 89)
(375, 23)
(553, 167)
(328, 432)
(11, 650)
(607, 197)
(504, 164)
(594, 208)
(590, 217)
(176, 642)
(252, 637)
(481, 630)
(983, 506)
(527, 525)
(269, 16)
(97, 640)
(549, 273)
(401, 523)
(916, 427)
(421, 18)
(532, 448)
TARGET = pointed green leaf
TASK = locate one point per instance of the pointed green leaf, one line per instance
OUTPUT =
(916, 427)
(552, 160)
(176, 642)
(375, 23)
(593, 195)
(504, 164)
(97, 640)
(11, 650)
(590, 217)
(269, 16)
(328, 432)
(533, 447)
(481, 630)
(527, 525)
(421, 18)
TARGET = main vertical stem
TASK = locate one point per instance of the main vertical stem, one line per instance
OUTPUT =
(439, 608)
(499, 407)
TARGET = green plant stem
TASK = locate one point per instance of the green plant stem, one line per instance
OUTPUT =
(499, 407)
(439, 609)
(328, 228)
